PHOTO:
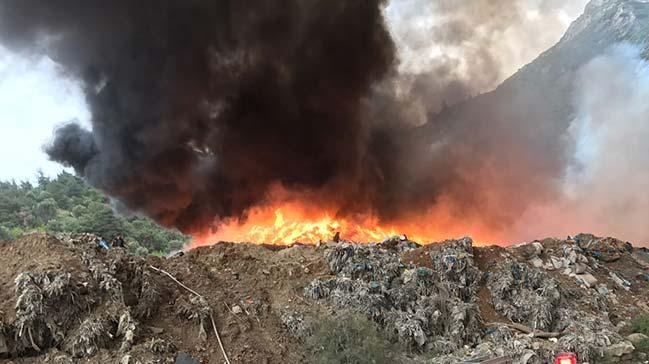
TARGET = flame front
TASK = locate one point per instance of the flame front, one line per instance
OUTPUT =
(288, 223)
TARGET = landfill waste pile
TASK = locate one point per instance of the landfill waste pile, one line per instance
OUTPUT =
(429, 308)
(64, 300)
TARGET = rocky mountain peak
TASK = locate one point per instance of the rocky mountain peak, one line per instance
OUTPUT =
(621, 18)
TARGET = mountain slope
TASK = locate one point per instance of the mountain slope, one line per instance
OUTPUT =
(509, 148)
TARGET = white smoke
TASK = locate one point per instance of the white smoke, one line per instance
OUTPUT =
(479, 42)
(606, 188)
(451, 50)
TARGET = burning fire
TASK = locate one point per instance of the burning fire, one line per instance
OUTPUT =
(288, 223)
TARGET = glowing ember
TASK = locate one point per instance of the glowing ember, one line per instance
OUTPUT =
(293, 222)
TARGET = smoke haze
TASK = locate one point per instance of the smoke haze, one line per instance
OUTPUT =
(204, 110)
(453, 49)
(605, 187)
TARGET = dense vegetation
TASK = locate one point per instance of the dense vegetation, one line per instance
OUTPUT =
(68, 205)
(350, 338)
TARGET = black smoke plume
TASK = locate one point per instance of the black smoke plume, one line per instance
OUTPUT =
(199, 106)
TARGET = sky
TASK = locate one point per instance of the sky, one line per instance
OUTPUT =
(36, 97)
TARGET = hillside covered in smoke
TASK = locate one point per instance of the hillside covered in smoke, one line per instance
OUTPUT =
(200, 110)
(561, 141)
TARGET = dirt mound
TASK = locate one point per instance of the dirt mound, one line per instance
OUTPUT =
(65, 300)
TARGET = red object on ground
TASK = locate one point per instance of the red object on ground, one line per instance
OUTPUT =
(566, 358)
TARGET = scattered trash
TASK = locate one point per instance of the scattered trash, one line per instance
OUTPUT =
(426, 308)
(587, 279)
(637, 338)
(623, 283)
(621, 348)
(603, 290)
(449, 302)
(644, 277)
(536, 262)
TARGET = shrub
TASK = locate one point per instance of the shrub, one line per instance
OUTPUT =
(349, 338)
(642, 346)
(640, 324)
(5, 234)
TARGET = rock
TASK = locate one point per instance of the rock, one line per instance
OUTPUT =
(637, 338)
(587, 279)
(266, 271)
(621, 348)
(184, 358)
(236, 310)
(538, 248)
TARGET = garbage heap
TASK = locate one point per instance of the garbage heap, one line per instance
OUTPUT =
(81, 309)
(429, 309)
(548, 295)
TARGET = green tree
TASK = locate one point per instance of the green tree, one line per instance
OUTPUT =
(153, 237)
(79, 210)
(5, 234)
(46, 210)
(68, 204)
(100, 219)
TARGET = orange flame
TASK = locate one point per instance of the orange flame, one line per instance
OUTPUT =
(295, 222)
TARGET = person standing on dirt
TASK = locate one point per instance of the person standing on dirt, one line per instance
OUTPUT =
(118, 242)
(101, 243)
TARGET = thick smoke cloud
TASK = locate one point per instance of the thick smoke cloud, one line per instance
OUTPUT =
(198, 107)
(605, 186)
(450, 50)
(202, 110)
(72, 146)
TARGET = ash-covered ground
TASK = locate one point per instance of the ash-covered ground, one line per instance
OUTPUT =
(66, 301)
